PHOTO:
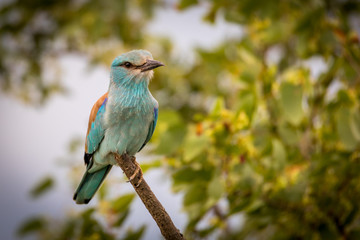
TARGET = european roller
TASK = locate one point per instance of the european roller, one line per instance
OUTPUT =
(121, 121)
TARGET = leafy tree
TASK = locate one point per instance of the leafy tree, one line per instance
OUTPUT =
(249, 130)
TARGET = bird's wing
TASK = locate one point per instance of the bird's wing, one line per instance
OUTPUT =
(96, 129)
(151, 128)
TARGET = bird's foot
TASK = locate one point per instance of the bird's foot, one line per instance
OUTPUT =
(138, 170)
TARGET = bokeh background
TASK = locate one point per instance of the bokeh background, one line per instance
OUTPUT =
(258, 134)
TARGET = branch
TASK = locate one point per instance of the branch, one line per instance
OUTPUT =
(131, 169)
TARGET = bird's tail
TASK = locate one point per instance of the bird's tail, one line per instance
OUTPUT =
(89, 184)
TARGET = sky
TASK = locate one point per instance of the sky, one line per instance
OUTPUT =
(34, 140)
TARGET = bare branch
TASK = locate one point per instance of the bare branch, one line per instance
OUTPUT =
(131, 169)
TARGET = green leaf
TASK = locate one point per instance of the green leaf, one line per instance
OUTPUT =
(289, 134)
(345, 132)
(278, 154)
(195, 194)
(169, 118)
(31, 225)
(218, 106)
(121, 217)
(186, 4)
(194, 211)
(216, 188)
(254, 206)
(188, 175)
(169, 133)
(91, 227)
(250, 59)
(291, 102)
(68, 231)
(355, 125)
(247, 102)
(42, 187)
(211, 15)
(170, 141)
(122, 203)
(194, 145)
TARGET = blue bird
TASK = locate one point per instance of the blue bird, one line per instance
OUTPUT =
(121, 121)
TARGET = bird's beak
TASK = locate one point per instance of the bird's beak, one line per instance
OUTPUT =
(149, 65)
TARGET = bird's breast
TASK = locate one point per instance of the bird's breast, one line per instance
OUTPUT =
(127, 129)
(123, 108)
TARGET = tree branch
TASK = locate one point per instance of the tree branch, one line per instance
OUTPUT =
(130, 167)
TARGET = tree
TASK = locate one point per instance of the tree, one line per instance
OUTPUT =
(280, 144)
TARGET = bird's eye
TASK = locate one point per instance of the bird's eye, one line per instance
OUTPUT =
(127, 64)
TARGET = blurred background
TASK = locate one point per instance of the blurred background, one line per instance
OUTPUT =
(258, 134)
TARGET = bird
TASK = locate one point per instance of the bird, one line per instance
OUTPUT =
(121, 121)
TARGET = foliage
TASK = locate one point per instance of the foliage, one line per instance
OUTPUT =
(34, 34)
(251, 129)
(42, 187)
(86, 224)
(279, 146)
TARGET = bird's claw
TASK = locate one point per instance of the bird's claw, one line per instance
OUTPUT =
(138, 169)
(134, 174)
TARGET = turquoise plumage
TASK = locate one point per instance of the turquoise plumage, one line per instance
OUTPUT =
(122, 121)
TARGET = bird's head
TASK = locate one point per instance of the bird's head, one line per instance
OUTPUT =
(134, 66)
